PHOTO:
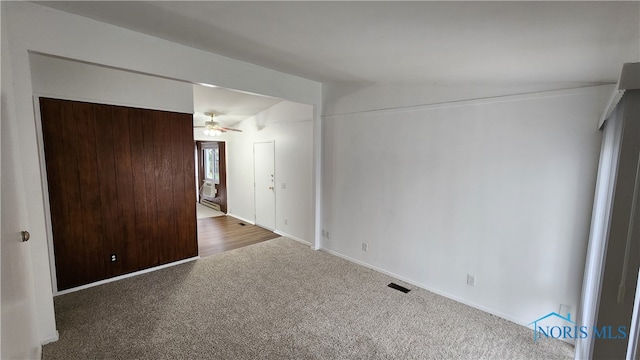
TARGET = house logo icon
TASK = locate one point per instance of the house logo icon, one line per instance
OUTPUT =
(569, 330)
(553, 331)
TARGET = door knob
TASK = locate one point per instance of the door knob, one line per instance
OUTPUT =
(25, 235)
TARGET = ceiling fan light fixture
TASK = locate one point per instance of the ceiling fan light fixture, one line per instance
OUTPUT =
(213, 128)
(212, 132)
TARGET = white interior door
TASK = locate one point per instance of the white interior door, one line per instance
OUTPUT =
(19, 327)
(264, 182)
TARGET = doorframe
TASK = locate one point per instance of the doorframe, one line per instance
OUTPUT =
(221, 187)
(599, 231)
(45, 188)
(317, 178)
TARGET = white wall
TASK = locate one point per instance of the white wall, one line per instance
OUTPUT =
(61, 78)
(36, 29)
(499, 188)
(290, 126)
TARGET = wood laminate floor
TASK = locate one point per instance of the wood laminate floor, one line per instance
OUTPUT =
(223, 233)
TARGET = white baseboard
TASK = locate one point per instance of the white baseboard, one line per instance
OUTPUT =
(281, 233)
(425, 287)
(105, 281)
(241, 218)
(50, 340)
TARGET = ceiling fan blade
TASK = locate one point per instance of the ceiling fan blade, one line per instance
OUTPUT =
(230, 129)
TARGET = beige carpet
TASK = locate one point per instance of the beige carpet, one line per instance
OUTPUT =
(280, 300)
(205, 212)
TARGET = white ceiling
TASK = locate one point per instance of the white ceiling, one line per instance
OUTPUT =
(433, 42)
(230, 107)
(479, 43)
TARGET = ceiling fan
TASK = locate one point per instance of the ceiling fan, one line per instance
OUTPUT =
(213, 127)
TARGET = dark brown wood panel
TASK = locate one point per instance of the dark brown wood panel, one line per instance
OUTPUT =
(73, 194)
(188, 226)
(150, 182)
(177, 191)
(121, 182)
(126, 243)
(164, 196)
(108, 189)
(88, 176)
(223, 233)
(56, 176)
(140, 203)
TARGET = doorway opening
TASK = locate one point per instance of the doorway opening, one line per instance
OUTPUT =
(267, 163)
(212, 177)
(218, 232)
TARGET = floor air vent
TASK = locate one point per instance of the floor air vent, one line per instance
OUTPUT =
(398, 287)
(241, 224)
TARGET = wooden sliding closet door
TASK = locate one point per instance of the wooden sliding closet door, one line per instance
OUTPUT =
(121, 188)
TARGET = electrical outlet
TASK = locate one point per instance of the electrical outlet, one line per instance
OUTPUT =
(327, 235)
(365, 247)
(471, 280)
(565, 310)
(284, 186)
(324, 233)
(286, 221)
(113, 258)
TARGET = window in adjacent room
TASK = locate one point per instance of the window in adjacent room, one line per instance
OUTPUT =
(211, 157)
